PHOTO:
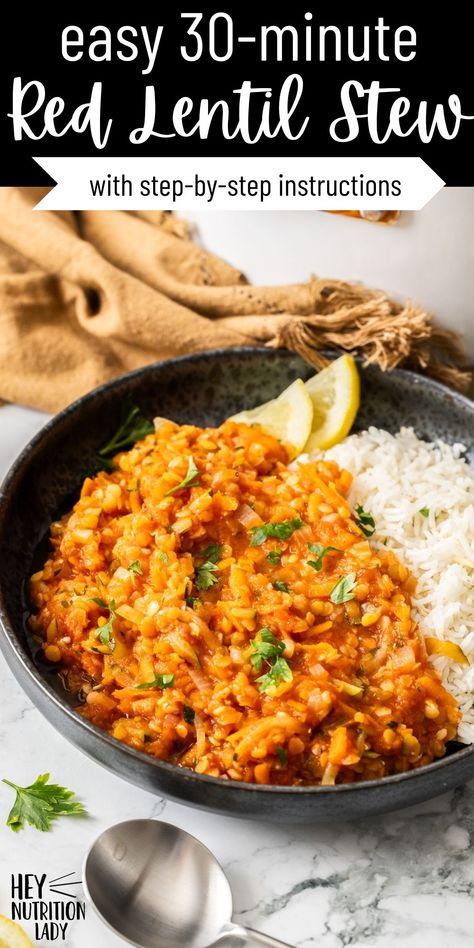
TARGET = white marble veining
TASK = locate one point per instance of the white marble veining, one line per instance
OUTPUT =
(406, 878)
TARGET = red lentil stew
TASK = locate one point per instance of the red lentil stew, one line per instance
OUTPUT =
(213, 607)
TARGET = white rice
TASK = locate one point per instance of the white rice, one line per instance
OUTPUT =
(396, 477)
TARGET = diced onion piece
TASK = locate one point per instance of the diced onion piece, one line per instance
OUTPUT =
(202, 683)
(247, 517)
(404, 658)
(200, 746)
(328, 778)
(183, 648)
(446, 648)
(289, 646)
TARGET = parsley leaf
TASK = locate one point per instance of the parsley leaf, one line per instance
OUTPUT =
(279, 671)
(105, 632)
(281, 587)
(159, 681)
(281, 754)
(425, 511)
(269, 649)
(274, 557)
(40, 804)
(281, 531)
(135, 567)
(205, 573)
(133, 427)
(320, 551)
(188, 714)
(365, 521)
(191, 479)
(342, 591)
(163, 557)
(191, 601)
(98, 601)
(212, 552)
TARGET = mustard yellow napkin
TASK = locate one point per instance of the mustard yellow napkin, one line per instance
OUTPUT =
(87, 296)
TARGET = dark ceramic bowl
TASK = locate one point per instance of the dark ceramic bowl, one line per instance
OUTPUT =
(201, 389)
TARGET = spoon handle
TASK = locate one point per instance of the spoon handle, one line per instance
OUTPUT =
(250, 936)
(261, 939)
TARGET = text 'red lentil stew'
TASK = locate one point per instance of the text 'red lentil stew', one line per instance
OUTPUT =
(214, 608)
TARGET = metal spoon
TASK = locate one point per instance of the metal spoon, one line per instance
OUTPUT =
(159, 887)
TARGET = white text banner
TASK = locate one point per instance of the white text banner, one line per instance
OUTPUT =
(227, 184)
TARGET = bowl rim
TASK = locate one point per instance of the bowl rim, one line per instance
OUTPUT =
(19, 653)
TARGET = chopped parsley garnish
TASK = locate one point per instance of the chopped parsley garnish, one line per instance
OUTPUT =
(279, 671)
(342, 591)
(133, 427)
(212, 552)
(365, 521)
(98, 601)
(392, 724)
(147, 738)
(320, 552)
(40, 804)
(425, 511)
(191, 479)
(269, 649)
(163, 557)
(135, 568)
(274, 557)
(188, 714)
(191, 601)
(281, 587)
(159, 681)
(282, 755)
(105, 632)
(205, 573)
(280, 531)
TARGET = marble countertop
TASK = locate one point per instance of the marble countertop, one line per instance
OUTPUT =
(405, 878)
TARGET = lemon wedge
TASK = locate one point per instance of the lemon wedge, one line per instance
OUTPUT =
(12, 935)
(335, 395)
(312, 415)
(288, 417)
